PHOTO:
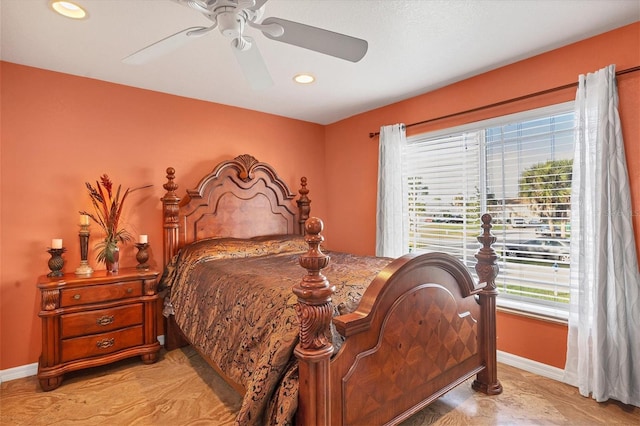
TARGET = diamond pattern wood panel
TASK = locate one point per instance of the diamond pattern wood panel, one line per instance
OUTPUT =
(423, 336)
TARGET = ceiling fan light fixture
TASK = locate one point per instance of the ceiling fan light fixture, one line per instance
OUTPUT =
(68, 9)
(304, 78)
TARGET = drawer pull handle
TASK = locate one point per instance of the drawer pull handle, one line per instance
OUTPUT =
(105, 343)
(105, 320)
(129, 290)
(76, 296)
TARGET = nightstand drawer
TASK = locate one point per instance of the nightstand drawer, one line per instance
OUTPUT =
(101, 344)
(101, 320)
(100, 293)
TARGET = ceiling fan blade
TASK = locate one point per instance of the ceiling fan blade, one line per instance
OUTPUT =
(164, 46)
(319, 40)
(253, 66)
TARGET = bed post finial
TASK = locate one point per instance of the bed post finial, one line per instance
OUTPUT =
(314, 311)
(487, 270)
(170, 208)
(303, 204)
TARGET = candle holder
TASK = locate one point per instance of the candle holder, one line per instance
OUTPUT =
(84, 269)
(56, 263)
(142, 256)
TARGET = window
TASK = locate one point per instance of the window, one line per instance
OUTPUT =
(518, 169)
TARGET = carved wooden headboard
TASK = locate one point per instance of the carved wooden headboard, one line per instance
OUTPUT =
(240, 198)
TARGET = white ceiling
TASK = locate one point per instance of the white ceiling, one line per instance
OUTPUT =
(415, 46)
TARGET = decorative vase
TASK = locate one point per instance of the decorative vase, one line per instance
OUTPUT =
(115, 265)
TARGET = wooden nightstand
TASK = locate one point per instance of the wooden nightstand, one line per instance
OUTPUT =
(96, 320)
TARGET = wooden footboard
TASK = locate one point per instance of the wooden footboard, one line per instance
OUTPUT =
(422, 328)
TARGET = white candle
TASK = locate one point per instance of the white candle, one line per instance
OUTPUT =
(84, 219)
(142, 239)
(56, 243)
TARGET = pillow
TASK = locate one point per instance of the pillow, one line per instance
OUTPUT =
(225, 248)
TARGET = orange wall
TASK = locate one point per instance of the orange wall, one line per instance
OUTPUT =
(542, 341)
(58, 131)
(351, 156)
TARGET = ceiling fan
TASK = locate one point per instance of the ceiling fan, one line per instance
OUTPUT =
(232, 16)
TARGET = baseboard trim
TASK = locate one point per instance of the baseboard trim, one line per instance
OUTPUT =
(32, 369)
(531, 366)
(18, 372)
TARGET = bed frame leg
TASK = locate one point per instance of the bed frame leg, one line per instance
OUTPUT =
(487, 270)
(174, 338)
(314, 351)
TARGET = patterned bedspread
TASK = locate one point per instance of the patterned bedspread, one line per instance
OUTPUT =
(233, 300)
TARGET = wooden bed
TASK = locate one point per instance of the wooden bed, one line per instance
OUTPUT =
(422, 327)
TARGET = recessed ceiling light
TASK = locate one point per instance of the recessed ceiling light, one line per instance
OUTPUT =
(68, 9)
(304, 78)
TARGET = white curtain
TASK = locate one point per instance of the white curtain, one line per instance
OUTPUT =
(603, 352)
(391, 238)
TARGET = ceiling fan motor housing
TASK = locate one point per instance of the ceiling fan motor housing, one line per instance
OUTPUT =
(230, 24)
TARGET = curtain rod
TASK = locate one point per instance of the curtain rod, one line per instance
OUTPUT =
(507, 101)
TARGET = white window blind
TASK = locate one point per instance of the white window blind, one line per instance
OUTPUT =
(443, 181)
(518, 169)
